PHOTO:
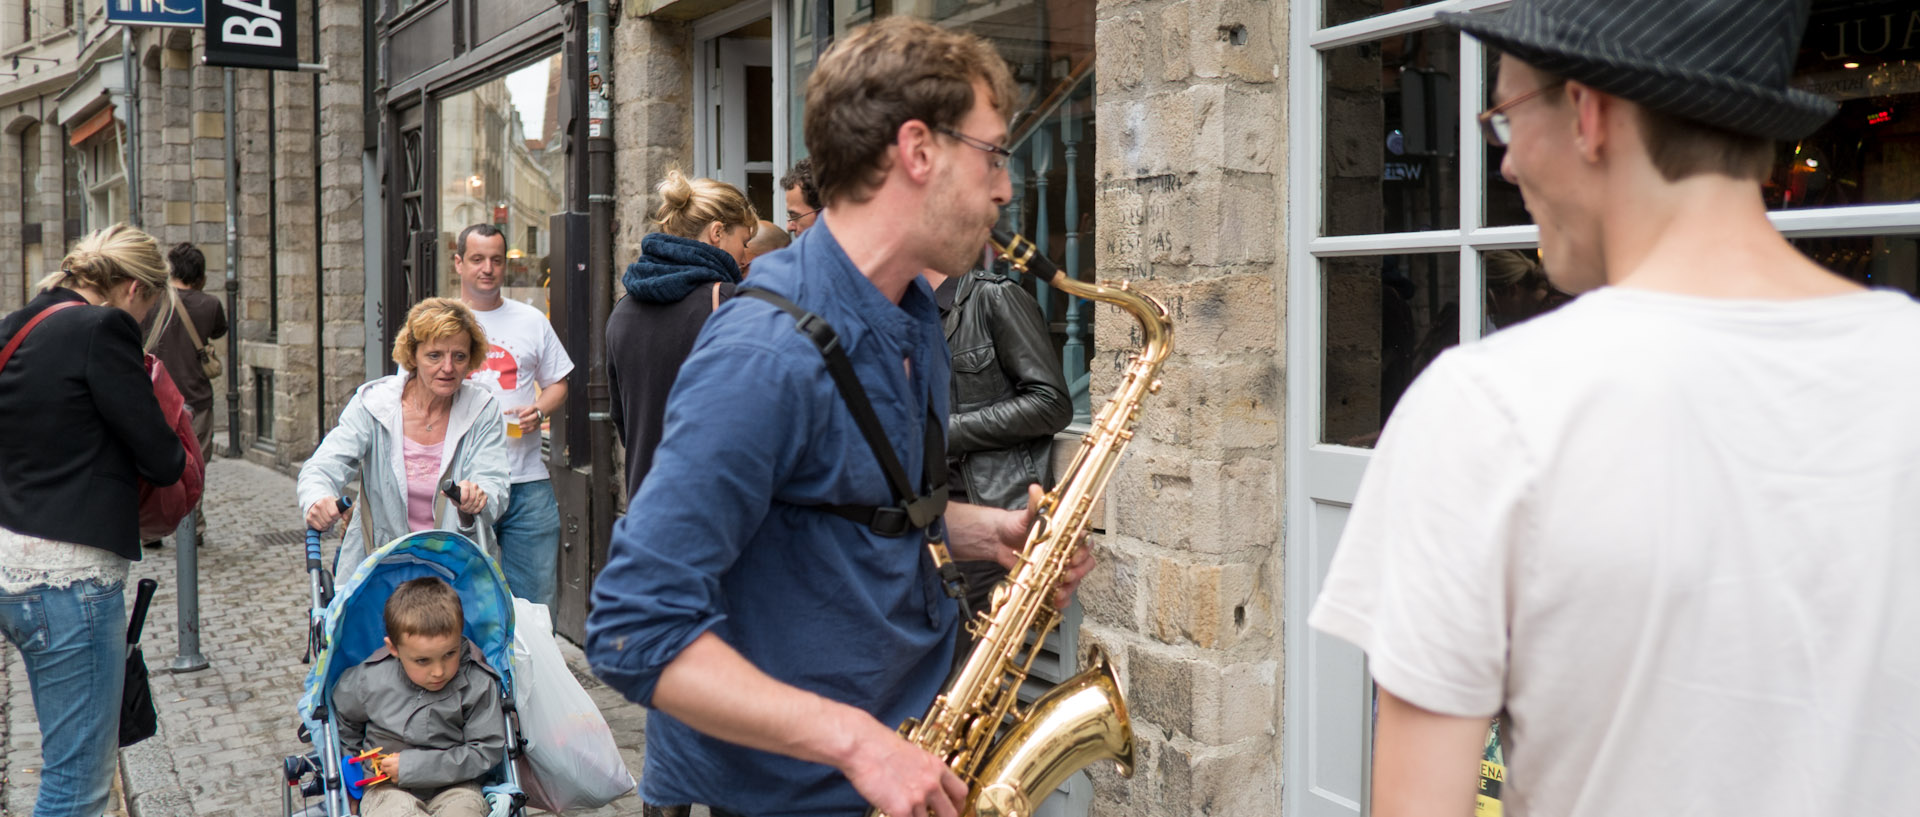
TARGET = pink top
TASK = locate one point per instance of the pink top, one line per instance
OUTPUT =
(423, 477)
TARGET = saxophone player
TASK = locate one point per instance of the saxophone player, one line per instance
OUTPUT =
(777, 639)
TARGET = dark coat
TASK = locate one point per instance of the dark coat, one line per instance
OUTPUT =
(670, 294)
(78, 425)
(1009, 395)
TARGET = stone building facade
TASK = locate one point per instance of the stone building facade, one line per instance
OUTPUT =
(81, 137)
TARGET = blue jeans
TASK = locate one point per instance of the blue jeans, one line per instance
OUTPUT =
(529, 537)
(74, 641)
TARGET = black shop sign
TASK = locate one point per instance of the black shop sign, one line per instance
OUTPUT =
(252, 34)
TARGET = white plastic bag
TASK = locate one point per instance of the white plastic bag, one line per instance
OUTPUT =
(571, 761)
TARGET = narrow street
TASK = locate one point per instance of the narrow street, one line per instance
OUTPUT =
(224, 729)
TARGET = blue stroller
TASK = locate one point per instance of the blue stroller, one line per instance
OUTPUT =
(345, 628)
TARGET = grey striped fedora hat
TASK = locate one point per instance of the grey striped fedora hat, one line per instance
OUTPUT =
(1725, 63)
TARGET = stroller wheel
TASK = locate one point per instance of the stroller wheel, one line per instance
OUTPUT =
(295, 767)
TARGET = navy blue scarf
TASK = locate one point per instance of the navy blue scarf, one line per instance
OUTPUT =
(671, 267)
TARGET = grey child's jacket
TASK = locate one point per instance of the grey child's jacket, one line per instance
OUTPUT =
(445, 738)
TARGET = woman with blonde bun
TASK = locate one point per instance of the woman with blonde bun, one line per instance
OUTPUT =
(82, 427)
(684, 272)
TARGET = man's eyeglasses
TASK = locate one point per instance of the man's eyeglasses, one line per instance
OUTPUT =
(796, 218)
(1494, 123)
(1000, 155)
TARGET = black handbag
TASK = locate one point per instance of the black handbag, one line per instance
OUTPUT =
(138, 720)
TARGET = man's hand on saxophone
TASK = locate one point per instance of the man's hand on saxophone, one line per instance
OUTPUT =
(712, 688)
(975, 532)
(898, 777)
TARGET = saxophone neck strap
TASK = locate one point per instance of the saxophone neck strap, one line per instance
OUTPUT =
(911, 511)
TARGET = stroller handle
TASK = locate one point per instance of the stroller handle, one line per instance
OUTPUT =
(313, 537)
(452, 490)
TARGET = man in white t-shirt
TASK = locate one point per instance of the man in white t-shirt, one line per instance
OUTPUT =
(526, 369)
(1670, 532)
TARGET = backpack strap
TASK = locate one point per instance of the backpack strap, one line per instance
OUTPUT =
(186, 320)
(911, 511)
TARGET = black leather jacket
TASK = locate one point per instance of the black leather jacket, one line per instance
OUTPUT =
(1009, 395)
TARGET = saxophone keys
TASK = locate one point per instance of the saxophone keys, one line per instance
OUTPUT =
(1154, 387)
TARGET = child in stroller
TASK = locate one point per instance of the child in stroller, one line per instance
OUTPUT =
(427, 706)
(348, 628)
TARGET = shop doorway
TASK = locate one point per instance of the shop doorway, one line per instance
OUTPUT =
(737, 96)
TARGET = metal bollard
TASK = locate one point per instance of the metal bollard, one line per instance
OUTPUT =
(186, 542)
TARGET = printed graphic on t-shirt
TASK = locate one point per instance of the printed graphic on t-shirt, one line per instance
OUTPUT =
(501, 370)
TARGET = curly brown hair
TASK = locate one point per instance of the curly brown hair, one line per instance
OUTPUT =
(882, 76)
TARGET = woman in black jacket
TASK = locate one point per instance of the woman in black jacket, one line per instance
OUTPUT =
(683, 274)
(81, 427)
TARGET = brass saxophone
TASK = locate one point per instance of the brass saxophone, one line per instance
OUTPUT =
(1085, 718)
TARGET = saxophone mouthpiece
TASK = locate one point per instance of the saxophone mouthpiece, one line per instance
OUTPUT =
(1022, 254)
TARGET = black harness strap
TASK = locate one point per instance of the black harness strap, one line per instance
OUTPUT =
(911, 511)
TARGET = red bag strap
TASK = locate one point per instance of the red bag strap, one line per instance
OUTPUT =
(7, 353)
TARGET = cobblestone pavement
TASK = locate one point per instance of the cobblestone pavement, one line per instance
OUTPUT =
(224, 729)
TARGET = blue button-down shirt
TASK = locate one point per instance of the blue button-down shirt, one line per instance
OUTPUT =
(722, 536)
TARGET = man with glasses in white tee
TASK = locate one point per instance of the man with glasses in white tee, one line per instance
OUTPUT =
(1671, 531)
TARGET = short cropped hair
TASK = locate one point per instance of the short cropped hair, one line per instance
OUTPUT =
(768, 238)
(482, 230)
(426, 607)
(1679, 147)
(189, 264)
(436, 318)
(882, 76)
(1682, 147)
(801, 176)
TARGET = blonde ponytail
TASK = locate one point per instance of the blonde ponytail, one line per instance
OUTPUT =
(687, 206)
(106, 258)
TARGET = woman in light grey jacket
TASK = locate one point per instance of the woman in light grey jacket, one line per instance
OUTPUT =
(404, 434)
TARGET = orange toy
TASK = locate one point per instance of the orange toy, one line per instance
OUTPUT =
(363, 770)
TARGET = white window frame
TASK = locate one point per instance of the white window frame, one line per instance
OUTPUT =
(1317, 470)
(706, 33)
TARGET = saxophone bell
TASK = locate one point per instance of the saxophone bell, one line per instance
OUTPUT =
(1083, 719)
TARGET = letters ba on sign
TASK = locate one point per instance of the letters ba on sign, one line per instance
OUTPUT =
(253, 34)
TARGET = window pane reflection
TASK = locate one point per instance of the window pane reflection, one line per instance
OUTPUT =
(1877, 261)
(1866, 56)
(1387, 317)
(1504, 206)
(1516, 288)
(502, 163)
(1392, 133)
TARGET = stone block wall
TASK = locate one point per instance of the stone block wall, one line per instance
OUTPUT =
(183, 198)
(21, 273)
(1191, 164)
(342, 335)
(12, 292)
(653, 121)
